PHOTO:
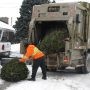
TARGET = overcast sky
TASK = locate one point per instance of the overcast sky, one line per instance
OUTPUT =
(10, 8)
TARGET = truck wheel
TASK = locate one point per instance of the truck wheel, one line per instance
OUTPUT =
(86, 68)
(62, 68)
(81, 70)
(87, 63)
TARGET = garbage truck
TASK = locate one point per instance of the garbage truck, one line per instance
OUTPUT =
(73, 17)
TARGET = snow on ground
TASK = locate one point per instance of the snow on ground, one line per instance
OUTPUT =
(55, 81)
(50, 84)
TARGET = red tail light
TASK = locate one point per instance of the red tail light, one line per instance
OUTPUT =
(66, 59)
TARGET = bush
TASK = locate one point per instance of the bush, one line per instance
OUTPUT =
(14, 71)
(54, 42)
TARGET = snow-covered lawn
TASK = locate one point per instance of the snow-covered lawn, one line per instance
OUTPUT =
(55, 81)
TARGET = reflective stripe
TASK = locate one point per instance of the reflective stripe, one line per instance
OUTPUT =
(36, 50)
(25, 57)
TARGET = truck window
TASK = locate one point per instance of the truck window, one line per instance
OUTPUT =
(7, 36)
(53, 9)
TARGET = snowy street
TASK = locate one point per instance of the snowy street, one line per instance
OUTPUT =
(68, 80)
(61, 80)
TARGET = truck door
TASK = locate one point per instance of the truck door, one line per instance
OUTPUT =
(81, 27)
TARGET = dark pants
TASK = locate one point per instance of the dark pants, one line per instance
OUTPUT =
(36, 63)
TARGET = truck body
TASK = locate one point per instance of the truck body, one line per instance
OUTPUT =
(75, 18)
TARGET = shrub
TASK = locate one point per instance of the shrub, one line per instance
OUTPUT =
(14, 71)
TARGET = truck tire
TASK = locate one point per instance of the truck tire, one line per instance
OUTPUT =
(81, 70)
(86, 68)
(88, 63)
(63, 68)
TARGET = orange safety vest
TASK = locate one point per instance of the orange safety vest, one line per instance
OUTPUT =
(33, 52)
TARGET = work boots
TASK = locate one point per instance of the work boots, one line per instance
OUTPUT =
(44, 78)
(31, 79)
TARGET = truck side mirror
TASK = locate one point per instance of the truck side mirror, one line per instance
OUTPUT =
(77, 18)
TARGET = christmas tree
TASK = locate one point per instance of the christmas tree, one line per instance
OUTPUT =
(14, 71)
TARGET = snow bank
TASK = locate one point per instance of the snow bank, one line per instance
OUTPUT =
(15, 50)
(1, 81)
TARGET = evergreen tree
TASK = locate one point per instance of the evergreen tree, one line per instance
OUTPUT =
(54, 1)
(22, 24)
(14, 71)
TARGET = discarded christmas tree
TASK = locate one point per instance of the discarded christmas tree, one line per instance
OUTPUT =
(54, 42)
(14, 71)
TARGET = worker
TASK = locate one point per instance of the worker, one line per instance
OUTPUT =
(38, 58)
